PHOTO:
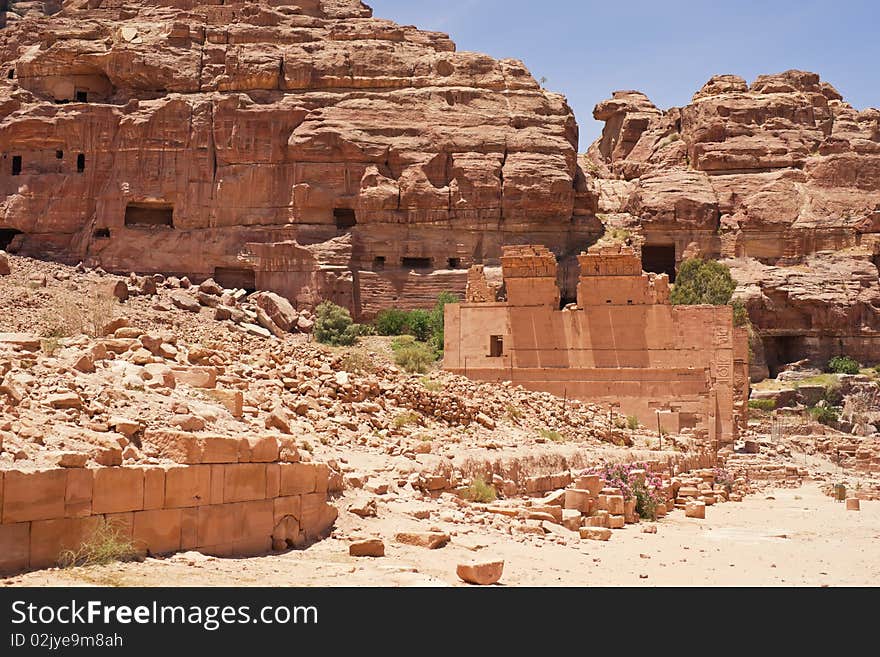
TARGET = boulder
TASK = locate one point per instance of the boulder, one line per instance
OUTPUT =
(482, 573)
(278, 309)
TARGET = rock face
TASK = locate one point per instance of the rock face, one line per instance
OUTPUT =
(780, 178)
(297, 146)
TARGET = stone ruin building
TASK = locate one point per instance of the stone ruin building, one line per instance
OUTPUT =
(621, 344)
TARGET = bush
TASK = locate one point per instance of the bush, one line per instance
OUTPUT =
(333, 325)
(824, 414)
(762, 404)
(357, 361)
(702, 282)
(842, 365)
(551, 435)
(647, 488)
(480, 491)
(105, 545)
(405, 419)
(391, 322)
(414, 358)
(437, 321)
(632, 422)
(740, 314)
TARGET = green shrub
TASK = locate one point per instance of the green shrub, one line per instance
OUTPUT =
(417, 323)
(414, 358)
(762, 404)
(632, 422)
(431, 385)
(357, 361)
(391, 322)
(437, 321)
(480, 491)
(363, 329)
(842, 365)
(405, 419)
(740, 314)
(824, 414)
(333, 325)
(702, 282)
(551, 435)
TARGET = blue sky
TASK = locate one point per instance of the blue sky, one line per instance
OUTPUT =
(668, 49)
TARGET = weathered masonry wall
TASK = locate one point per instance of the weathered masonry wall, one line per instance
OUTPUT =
(239, 500)
(621, 344)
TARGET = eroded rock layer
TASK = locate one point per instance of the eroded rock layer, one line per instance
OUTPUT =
(780, 178)
(303, 147)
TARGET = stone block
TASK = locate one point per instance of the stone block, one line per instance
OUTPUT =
(591, 483)
(616, 505)
(852, 504)
(595, 533)
(317, 517)
(298, 478)
(578, 499)
(430, 540)
(78, 493)
(154, 488)
(371, 547)
(117, 490)
(258, 450)
(231, 400)
(187, 486)
(287, 506)
(34, 495)
(158, 531)
(220, 524)
(189, 528)
(15, 547)
(695, 509)
(218, 483)
(244, 482)
(196, 377)
(616, 522)
(49, 538)
(273, 480)
(481, 573)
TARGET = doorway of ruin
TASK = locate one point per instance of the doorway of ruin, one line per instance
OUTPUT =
(240, 278)
(6, 237)
(345, 218)
(149, 215)
(659, 259)
(415, 263)
(780, 350)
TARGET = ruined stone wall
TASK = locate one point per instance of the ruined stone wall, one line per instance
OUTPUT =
(227, 501)
(640, 353)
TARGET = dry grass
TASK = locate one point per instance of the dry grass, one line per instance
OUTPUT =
(105, 545)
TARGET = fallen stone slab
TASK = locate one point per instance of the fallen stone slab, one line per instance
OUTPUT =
(371, 547)
(430, 540)
(481, 573)
(595, 533)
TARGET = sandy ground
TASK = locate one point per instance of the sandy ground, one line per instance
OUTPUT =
(784, 537)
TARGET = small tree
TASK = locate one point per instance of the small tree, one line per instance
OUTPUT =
(437, 320)
(334, 326)
(703, 282)
(843, 365)
(391, 321)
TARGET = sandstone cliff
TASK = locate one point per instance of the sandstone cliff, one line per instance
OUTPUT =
(780, 178)
(303, 146)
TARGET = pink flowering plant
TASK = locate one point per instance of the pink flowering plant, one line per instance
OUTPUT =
(634, 480)
(724, 479)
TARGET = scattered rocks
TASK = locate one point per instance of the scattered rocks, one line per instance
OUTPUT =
(430, 540)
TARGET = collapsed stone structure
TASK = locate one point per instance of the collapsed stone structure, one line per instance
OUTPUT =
(297, 146)
(781, 179)
(621, 344)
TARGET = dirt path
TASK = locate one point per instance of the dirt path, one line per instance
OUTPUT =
(801, 537)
